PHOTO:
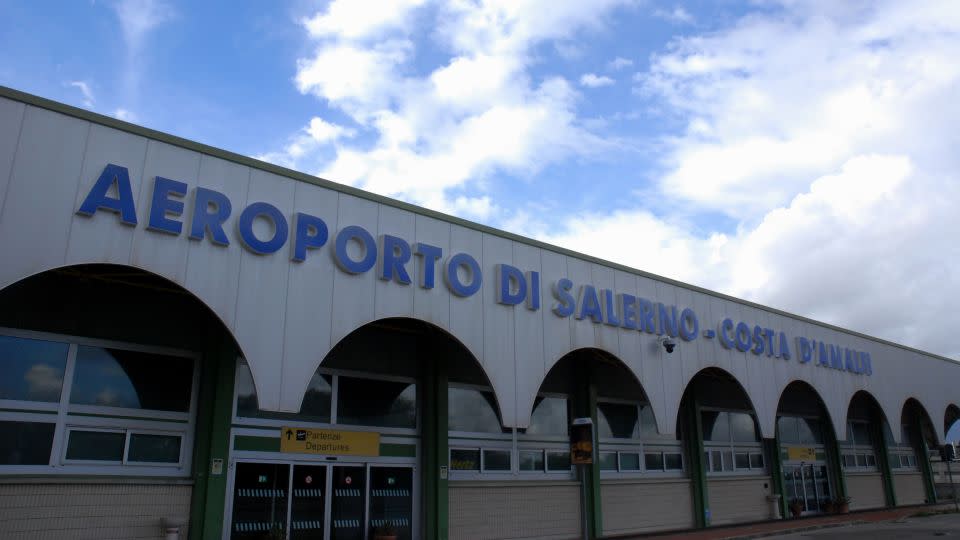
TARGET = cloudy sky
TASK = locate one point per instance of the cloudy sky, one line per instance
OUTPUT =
(803, 155)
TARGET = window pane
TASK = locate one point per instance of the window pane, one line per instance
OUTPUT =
(629, 461)
(756, 461)
(653, 461)
(716, 426)
(464, 460)
(558, 461)
(808, 430)
(673, 461)
(531, 460)
(727, 460)
(472, 410)
(912, 460)
(549, 417)
(861, 434)
(861, 460)
(150, 448)
(314, 408)
(743, 428)
(742, 460)
(871, 460)
(31, 369)
(371, 402)
(496, 460)
(716, 461)
(617, 420)
(648, 424)
(130, 379)
(608, 461)
(25, 443)
(849, 460)
(96, 445)
(787, 429)
(894, 462)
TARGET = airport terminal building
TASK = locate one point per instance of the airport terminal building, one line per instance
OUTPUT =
(199, 344)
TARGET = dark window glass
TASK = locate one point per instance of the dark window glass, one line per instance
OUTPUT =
(743, 428)
(716, 461)
(653, 461)
(871, 460)
(861, 460)
(756, 461)
(716, 426)
(727, 460)
(787, 429)
(648, 424)
(809, 430)
(31, 369)
(96, 445)
(531, 460)
(742, 460)
(149, 448)
(130, 379)
(549, 416)
(472, 410)
(464, 460)
(25, 443)
(608, 461)
(629, 461)
(558, 461)
(860, 433)
(617, 420)
(372, 402)
(673, 462)
(314, 408)
(894, 462)
(496, 460)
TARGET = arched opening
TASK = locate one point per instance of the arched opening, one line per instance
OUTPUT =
(910, 459)
(864, 454)
(420, 401)
(951, 429)
(811, 480)
(735, 461)
(107, 372)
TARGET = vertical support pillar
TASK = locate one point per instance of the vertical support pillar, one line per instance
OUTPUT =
(585, 405)
(213, 440)
(923, 460)
(435, 448)
(833, 458)
(776, 474)
(883, 457)
(693, 437)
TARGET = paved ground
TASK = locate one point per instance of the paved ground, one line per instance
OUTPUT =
(874, 524)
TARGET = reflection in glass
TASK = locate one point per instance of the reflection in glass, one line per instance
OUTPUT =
(859, 433)
(549, 416)
(464, 459)
(96, 445)
(608, 461)
(314, 408)
(808, 430)
(260, 501)
(648, 424)
(472, 410)
(149, 448)
(558, 461)
(373, 402)
(742, 427)
(617, 420)
(629, 461)
(131, 379)
(742, 460)
(31, 369)
(716, 426)
(672, 461)
(25, 443)
(496, 460)
(653, 461)
(787, 430)
(531, 460)
(391, 499)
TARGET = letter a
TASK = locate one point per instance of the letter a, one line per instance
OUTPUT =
(98, 198)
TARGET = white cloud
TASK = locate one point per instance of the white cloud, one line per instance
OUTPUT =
(677, 15)
(138, 18)
(125, 115)
(88, 99)
(619, 63)
(591, 80)
(357, 19)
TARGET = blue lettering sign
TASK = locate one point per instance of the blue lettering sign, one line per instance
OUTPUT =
(565, 303)
(457, 287)
(210, 209)
(98, 196)
(270, 213)
(311, 233)
(342, 257)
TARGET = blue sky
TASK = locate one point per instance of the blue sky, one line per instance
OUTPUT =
(801, 154)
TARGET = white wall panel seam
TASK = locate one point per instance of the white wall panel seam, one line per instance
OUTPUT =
(236, 296)
(76, 191)
(13, 161)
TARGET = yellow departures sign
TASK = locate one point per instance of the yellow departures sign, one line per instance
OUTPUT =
(801, 453)
(329, 442)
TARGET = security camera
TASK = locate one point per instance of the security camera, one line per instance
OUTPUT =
(668, 343)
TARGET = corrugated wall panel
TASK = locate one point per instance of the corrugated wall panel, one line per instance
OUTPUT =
(488, 511)
(646, 506)
(90, 511)
(866, 491)
(736, 500)
(909, 488)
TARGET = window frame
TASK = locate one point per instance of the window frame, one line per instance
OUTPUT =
(639, 445)
(67, 416)
(856, 450)
(733, 447)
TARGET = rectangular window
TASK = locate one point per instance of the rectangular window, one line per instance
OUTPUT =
(742, 460)
(558, 461)
(549, 416)
(716, 461)
(912, 460)
(375, 402)
(25, 443)
(31, 369)
(462, 459)
(608, 461)
(531, 460)
(96, 445)
(871, 460)
(860, 433)
(756, 461)
(472, 410)
(629, 461)
(496, 460)
(653, 461)
(152, 448)
(727, 460)
(110, 377)
(673, 461)
(861, 460)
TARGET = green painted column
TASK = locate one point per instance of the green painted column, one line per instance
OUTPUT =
(435, 449)
(585, 405)
(217, 441)
(883, 459)
(833, 458)
(924, 461)
(776, 474)
(693, 437)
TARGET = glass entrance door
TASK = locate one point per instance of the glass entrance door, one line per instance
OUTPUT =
(808, 484)
(283, 501)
